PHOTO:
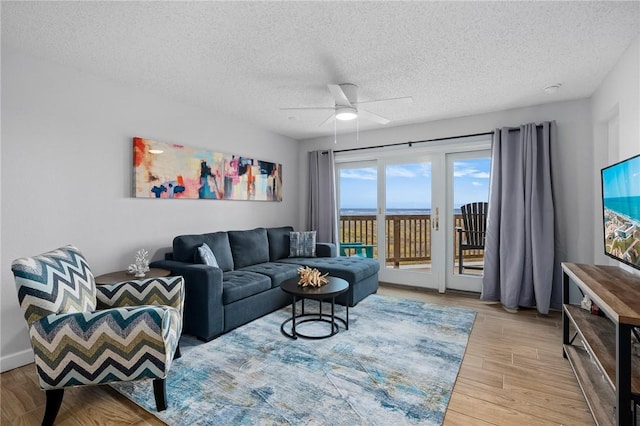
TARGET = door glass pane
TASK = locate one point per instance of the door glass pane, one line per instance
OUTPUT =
(408, 216)
(358, 206)
(471, 189)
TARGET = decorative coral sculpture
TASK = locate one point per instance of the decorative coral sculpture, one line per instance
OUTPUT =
(141, 266)
(311, 277)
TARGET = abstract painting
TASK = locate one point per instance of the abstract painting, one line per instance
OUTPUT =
(165, 170)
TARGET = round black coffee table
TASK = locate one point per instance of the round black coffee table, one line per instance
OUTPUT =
(333, 288)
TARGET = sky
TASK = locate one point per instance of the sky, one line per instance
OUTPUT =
(408, 186)
(622, 179)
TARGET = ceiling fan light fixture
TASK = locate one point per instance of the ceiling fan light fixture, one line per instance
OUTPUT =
(346, 113)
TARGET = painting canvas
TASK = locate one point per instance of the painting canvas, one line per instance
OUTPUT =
(165, 170)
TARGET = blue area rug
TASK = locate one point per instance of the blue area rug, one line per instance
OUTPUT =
(396, 365)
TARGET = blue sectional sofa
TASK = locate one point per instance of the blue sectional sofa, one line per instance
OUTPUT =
(246, 284)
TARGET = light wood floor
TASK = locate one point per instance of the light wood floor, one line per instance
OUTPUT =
(513, 373)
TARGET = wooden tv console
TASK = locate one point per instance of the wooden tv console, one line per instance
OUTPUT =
(599, 348)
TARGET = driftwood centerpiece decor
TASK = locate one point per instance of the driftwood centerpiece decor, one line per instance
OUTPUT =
(311, 277)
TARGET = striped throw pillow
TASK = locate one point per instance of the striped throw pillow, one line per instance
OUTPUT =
(206, 255)
(302, 244)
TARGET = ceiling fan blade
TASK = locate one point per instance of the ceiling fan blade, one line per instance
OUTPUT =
(306, 108)
(338, 95)
(407, 99)
(372, 117)
(327, 120)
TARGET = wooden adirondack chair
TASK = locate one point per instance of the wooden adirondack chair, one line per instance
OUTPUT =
(472, 234)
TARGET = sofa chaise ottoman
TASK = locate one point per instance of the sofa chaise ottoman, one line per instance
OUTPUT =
(246, 283)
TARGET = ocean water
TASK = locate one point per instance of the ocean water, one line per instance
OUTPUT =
(626, 206)
(359, 211)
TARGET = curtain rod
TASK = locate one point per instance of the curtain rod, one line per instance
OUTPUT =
(410, 143)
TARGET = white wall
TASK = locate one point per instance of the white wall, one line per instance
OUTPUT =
(67, 175)
(573, 181)
(615, 112)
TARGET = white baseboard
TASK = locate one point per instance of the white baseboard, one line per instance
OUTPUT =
(16, 360)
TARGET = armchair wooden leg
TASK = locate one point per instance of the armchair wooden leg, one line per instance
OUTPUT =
(54, 401)
(160, 392)
(460, 267)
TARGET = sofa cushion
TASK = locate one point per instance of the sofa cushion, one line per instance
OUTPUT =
(218, 242)
(278, 242)
(352, 269)
(249, 247)
(278, 272)
(186, 246)
(302, 244)
(206, 256)
(237, 285)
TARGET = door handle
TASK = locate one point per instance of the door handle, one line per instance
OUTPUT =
(435, 220)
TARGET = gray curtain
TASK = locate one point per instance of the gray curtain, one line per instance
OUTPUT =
(519, 249)
(321, 215)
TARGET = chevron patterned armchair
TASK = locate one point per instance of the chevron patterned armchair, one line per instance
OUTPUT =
(87, 335)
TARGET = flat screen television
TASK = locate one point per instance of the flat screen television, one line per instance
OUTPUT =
(621, 211)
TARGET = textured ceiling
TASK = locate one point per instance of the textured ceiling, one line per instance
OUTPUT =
(249, 59)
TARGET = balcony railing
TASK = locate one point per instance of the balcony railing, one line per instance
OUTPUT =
(408, 237)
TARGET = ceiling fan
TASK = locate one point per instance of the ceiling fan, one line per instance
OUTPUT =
(347, 107)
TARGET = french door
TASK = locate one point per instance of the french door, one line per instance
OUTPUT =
(404, 212)
(467, 182)
(408, 223)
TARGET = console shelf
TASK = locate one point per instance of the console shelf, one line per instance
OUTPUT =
(599, 395)
(600, 351)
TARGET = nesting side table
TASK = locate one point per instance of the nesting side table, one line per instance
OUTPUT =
(119, 276)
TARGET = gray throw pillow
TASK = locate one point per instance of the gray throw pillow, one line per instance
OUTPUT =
(206, 256)
(302, 244)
